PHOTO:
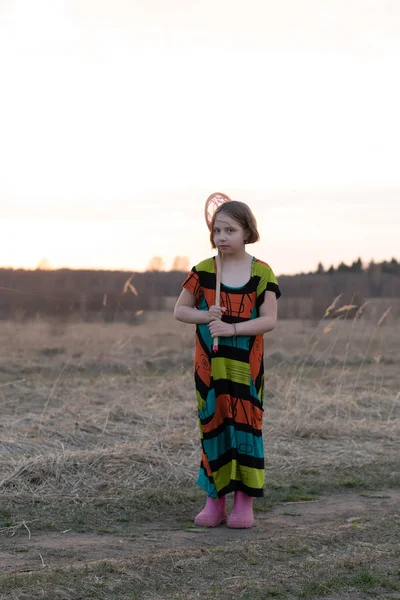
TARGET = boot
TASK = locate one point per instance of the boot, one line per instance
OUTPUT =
(213, 514)
(241, 516)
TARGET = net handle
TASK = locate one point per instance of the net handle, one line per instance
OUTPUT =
(215, 198)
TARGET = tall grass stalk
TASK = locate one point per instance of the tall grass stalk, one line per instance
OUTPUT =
(348, 344)
(301, 361)
(372, 337)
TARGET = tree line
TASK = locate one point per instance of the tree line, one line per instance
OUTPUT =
(121, 296)
(391, 267)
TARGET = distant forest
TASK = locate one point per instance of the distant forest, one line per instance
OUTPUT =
(392, 267)
(121, 296)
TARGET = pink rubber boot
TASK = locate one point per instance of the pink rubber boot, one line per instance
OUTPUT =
(241, 516)
(213, 514)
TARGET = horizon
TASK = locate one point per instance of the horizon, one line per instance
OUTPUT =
(326, 267)
(298, 229)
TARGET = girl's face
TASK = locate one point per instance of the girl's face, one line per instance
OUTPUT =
(229, 236)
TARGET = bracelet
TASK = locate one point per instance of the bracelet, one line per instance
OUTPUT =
(234, 327)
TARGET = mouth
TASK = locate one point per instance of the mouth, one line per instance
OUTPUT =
(222, 246)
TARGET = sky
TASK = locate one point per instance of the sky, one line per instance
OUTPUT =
(118, 119)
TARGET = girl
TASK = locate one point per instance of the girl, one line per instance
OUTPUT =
(230, 381)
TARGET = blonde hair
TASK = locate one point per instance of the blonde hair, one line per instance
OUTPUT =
(240, 212)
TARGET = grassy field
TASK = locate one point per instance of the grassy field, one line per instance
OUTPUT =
(99, 451)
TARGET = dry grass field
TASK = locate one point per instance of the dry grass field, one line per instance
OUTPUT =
(99, 451)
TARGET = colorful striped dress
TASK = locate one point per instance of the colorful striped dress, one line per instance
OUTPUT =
(230, 383)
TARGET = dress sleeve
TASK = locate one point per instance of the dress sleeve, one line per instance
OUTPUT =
(192, 284)
(268, 283)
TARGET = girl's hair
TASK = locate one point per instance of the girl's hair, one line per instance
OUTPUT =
(242, 214)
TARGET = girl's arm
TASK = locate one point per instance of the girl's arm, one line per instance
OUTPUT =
(186, 312)
(265, 322)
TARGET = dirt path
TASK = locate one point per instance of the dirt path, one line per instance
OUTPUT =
(47, 550)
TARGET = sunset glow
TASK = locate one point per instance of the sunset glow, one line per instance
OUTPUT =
(119, 120)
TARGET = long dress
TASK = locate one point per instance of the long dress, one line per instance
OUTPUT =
(230, 383)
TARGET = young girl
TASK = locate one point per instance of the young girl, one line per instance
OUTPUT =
(230, 382)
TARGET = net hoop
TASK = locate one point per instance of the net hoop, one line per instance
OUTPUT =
(213, 202)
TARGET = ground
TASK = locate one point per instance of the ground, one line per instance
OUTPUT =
(99, 452)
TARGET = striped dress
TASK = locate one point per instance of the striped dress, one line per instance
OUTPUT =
(230, 383)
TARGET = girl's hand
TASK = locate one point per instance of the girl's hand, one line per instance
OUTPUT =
(221, 329)
(215, 313)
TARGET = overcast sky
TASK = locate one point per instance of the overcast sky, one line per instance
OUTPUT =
(119, 118)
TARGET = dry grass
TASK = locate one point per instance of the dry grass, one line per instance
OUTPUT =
(96, 413)
(103, 406)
